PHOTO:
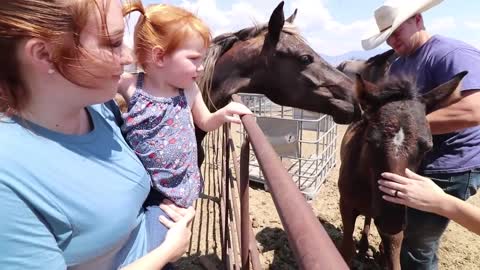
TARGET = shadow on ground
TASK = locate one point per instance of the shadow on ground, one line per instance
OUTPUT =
(194, 262)
(275, 239)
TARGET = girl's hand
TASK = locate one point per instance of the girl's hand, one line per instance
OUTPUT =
(234, 108)
(177, 239)
(415, 191)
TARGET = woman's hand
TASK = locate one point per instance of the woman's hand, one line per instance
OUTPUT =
(177, 239)
(415, 191)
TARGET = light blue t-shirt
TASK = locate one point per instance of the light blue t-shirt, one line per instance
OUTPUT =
(68, 200)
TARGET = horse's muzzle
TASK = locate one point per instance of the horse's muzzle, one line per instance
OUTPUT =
(343, 112)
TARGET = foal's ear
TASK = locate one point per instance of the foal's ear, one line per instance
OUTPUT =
(444, 94)
(292, 17)
(275, 25)
(364, 90)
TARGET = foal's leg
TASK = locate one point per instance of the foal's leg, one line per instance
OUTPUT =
(392, 245)
(392, 238)
(347, 246)
(363, 245)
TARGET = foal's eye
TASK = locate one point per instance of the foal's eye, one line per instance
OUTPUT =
(306, 59)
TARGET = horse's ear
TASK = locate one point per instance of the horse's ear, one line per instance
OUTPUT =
(275, 25)
(364, 90)
(444, 94)
(292, 17)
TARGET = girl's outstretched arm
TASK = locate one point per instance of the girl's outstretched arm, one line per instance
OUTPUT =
(208, 121)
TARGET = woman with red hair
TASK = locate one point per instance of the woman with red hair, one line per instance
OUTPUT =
(72, 190)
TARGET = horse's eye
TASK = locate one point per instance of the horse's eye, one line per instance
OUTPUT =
(306, 59)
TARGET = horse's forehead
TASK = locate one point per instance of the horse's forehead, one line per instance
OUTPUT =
(293, 40)
(288, 42)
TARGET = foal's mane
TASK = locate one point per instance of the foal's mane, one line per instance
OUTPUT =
(380, 59)
(393, 89)
(223, 43)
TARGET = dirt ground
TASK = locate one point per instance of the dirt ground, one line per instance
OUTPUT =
(459, 248)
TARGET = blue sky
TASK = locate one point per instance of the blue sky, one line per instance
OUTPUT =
(332, 27)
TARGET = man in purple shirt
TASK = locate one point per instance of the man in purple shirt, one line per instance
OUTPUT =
(454, 162)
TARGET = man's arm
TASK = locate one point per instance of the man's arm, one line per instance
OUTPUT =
(465, 112)
(460, 115)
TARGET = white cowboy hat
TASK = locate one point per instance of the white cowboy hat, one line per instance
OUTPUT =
(392, 14)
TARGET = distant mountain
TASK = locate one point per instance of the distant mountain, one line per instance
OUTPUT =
(335, 60)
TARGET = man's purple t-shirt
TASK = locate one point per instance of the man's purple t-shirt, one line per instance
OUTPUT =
(436, 62)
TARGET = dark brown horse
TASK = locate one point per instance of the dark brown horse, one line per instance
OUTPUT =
(391, 135)
(372, 69)
(274, 60)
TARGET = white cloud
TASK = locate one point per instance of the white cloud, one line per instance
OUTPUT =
(472, 24)
(240, 15)
(130, 22)
(324, 32)
(442, 24)
(321, 30)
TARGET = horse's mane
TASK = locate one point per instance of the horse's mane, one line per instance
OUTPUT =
(223, 43)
